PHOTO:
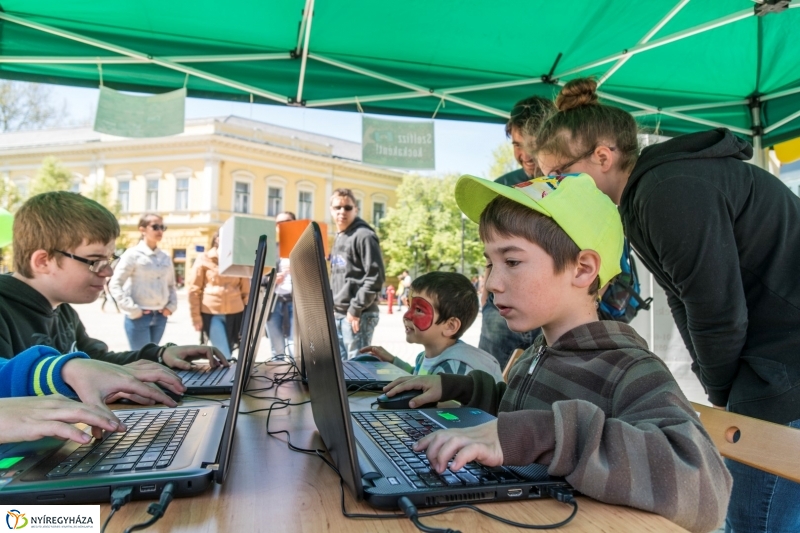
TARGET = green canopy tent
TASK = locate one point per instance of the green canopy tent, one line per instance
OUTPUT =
(678, 65)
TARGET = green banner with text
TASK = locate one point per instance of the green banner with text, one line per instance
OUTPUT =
(398, 144)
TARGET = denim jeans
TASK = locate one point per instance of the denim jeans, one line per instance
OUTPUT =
(281, 344)
(350, 343)
(218, 335)
(762, 502)
(147, 328)
(497, 339)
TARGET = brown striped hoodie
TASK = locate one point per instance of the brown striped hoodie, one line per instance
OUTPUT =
(606, 414)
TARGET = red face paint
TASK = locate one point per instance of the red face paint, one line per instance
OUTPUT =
(420, 313)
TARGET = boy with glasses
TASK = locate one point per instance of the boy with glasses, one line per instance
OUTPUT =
(357, 275)
(63, 250)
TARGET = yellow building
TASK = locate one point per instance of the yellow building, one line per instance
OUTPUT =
(196, 180)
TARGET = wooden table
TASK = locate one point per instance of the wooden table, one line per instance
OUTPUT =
(270, 488)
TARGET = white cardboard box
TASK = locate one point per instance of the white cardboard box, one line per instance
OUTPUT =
(238, 240)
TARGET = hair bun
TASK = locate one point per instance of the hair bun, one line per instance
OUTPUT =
(576, 93)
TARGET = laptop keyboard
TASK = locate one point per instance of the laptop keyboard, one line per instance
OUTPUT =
(151, 442)
(396, 432)
(353, 372)
(203, 376)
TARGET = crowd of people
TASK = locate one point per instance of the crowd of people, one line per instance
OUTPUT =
(587, 397)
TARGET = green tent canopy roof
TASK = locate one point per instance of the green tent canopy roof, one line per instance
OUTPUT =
(678, 65)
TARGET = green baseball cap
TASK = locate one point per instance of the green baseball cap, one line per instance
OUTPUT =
(6, 227)
(583, 211)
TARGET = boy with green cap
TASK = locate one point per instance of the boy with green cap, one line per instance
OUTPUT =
(588, 398)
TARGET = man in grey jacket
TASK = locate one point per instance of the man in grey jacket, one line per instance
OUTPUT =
(357, 275)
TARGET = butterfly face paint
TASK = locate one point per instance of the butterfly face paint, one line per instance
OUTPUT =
(420, 313)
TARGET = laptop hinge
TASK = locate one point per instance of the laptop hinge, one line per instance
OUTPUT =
(365, 466)
(211, 466)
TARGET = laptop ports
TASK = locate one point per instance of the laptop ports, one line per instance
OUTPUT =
(146, 488)
(514, 493)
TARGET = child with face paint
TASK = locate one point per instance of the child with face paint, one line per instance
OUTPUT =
(443, 306)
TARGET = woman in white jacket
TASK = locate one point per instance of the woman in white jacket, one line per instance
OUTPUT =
(144, 285)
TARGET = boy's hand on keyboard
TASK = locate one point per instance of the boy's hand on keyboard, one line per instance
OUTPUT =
(379, 352)
(430, 387)
(478, 443)
(97, 383)
(180, 356)
(34, 417)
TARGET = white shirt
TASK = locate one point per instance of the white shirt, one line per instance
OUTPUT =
(144, 279)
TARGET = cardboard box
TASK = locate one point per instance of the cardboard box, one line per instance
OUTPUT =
(238, 240)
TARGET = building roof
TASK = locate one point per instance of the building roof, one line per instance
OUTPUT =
(229, 126)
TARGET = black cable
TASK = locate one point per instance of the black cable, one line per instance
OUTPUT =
(156, 509)
(119, 497)
(410, 510)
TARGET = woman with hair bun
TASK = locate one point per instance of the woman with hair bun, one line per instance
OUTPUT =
(722, 238)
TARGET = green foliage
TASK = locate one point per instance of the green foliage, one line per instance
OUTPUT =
(423, 232)
(51, 176)
(504, 161)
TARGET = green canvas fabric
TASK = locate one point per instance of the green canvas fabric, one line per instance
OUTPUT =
(433, 45)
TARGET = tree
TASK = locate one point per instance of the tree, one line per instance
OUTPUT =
(27, 106)
(423, 232)
(504, 161)
(10, 199)
(51, 176)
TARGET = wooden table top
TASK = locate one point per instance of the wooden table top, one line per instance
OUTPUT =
(271, 488)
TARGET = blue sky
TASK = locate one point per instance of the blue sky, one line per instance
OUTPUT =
(461, 147)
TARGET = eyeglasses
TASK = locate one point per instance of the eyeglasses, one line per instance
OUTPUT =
(347, 207)
(95, 265)
(562, 169)
(158, 227)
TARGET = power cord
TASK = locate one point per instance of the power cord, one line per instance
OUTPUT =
(411, 512)
(156, 509)
(119, 498)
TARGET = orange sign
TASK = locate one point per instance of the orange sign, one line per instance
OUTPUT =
(289, 233)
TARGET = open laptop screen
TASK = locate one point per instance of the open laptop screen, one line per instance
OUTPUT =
(313, 302)
(246, 351)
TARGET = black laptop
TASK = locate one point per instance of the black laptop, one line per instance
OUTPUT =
(372, 450)
(188, 446)
(202, 379)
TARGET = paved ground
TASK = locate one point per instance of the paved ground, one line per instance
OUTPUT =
(108, 326)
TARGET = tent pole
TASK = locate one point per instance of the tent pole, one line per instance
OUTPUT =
(309, 17)
(695, 107)
(680, 116)
(302, 29)
(115, 60)
(781, 122)
(409, 85)
(364, 99)
(144, 57)
(757, 131)
(490, 86)
(780, 94)
(735, 17)
(674, 11)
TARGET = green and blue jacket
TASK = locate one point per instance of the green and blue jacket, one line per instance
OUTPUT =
(36, 372)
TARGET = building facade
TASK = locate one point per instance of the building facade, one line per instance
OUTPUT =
(219, 167)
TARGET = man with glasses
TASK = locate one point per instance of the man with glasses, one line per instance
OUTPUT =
(357, 275)
(63, 250)
(525, 118)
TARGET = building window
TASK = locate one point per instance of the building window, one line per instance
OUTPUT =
(241, 203)
(181, 194)
(305, 205)
(152, 195)
(378, 212)
(123, 195)
(274, 201)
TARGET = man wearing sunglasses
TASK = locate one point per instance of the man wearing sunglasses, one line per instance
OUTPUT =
(525, 118)
(357, 275)
(63, 252)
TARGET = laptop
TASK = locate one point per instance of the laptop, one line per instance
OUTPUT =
(189, 446)
(202, 379)
(372, 450)
(364, 375)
